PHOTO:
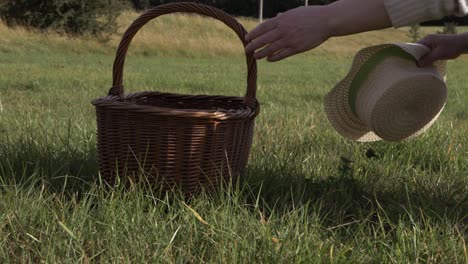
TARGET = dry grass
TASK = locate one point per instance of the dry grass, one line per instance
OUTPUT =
(181, 34)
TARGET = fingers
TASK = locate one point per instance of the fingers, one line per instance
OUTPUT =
(429, 58)
(281, 55)
(262, 41)
(295, 31)
(261, 29)
(269, 50)
(425, 61)
(427, 41)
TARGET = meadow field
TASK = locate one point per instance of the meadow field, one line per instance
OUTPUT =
(308, 196)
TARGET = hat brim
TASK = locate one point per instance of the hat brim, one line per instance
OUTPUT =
(338, 109)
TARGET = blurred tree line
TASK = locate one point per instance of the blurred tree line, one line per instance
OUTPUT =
(239, 7)
(70, 16)
(99, 16)
(250, 8)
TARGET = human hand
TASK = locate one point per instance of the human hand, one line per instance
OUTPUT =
(443, 47)
(289, 33)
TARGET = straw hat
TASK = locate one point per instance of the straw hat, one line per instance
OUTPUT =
(386, 95)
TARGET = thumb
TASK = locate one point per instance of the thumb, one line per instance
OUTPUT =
(427, 59)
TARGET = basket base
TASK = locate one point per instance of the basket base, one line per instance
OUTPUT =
(172, 153)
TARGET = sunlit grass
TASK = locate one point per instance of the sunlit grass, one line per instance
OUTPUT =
(308, 196)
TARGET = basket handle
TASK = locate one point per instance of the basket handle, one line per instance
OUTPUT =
(117, 86)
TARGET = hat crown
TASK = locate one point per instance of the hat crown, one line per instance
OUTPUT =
(404, 88)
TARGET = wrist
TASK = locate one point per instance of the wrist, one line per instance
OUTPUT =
(324, 15)
(462, 40)
(332, 21)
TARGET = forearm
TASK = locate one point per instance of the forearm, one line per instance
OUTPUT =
(463, 40)
(354, 16)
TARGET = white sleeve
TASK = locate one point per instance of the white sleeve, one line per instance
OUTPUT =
(462, 7)
(407, 12)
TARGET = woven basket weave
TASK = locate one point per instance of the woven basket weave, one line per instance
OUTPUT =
(175, 140)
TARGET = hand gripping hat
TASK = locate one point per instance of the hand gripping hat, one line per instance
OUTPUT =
(386, 95)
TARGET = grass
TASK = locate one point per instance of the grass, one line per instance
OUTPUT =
(308, 195)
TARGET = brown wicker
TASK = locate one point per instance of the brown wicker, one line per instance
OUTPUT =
(175, 140)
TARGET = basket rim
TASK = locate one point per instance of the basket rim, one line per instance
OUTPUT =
(124, 103)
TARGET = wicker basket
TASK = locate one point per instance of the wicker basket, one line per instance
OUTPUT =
(175, 140)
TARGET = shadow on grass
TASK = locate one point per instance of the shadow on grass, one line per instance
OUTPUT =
(342, 198)
(59, 169)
